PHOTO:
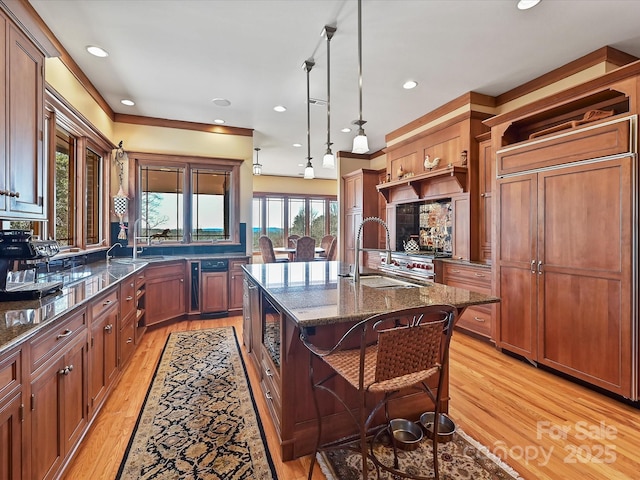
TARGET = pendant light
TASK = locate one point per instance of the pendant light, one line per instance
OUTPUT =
(329, 160)
(257, 168)
(360, 144)
(308, 171)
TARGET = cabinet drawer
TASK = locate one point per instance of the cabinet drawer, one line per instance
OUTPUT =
(102, 304)
(164, 270)
(476, 319)
(127, 341)
(55, 337)
(271, 388)
(127, 297)
(474, 276)
(236, 265)
(10, 372)
(601, 141)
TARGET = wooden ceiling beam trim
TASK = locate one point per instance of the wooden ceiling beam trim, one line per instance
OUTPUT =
(179, 124)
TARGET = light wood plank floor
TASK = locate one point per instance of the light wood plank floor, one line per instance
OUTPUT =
(543, 426)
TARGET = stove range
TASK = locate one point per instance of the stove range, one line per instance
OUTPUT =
(415, 265)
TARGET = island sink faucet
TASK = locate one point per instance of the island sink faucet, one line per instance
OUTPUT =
(356, 274)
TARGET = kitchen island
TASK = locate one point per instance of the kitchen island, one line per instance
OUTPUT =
(281, 299)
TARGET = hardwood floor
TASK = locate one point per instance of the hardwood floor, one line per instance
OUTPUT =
(544, 426)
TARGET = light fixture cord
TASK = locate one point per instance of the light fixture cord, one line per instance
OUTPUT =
(308, 66)
(329, 35)
(360, 58)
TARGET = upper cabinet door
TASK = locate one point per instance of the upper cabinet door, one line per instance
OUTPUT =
(24, 190)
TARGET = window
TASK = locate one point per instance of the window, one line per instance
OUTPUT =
(186, 199)
(78, 183)
(301, 214)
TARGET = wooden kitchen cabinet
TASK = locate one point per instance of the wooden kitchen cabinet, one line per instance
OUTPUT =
(477, 278)
(564, 264)
(103, 347)
(486, 173)
(140, 294)
(11, 415)
(58, 403)
(236, 281)
(165, 292)
(215, 291)
(22, 181)
(461, 227)
(361, 201)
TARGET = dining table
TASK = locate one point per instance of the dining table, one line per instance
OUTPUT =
(291, 251)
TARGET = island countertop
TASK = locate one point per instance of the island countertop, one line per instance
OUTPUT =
(319, 293)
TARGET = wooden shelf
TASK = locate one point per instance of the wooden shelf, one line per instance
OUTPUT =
(459, 173)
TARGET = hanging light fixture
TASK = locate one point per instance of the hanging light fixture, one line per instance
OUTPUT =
(308, 171)
(257, 168)
(360, 144)
(329, 160)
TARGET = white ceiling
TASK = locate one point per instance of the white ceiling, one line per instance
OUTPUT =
(172, 57)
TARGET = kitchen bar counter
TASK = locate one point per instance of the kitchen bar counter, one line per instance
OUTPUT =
(281, 299)
(318, 293)
(20, 320)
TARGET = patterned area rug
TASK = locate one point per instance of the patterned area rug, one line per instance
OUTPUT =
(460, 459)
(199, 419)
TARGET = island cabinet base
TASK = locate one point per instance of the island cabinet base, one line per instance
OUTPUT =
(288, 392)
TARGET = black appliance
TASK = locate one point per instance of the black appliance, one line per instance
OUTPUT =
(20, 245)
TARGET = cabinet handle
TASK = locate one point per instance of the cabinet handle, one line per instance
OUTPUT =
(182, 280)
(455, 271)
(268, 395)
(129, 298)
(108, 328)
(482, 195)
(533, 266)
(479, 319)
(104, 304)
(540, 267)
(66, 370)
(129, 340)
(64, 334)
(268, 372)
(479, 274)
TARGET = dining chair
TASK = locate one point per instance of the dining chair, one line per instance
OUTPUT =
(381, 355)
(291, 240)
(330, 253)
(325, 242)
(305, 249)
(266, 249)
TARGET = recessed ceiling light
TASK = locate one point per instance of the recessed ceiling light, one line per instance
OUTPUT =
(280, 108)
(409, 84)
(527, 4)
(219, 121)
(127, 102)
(301, 165)
(345, 130)
(297, 145)
(221, 102)
(97, 51)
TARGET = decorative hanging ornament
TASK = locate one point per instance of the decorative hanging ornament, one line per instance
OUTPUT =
(120, 200)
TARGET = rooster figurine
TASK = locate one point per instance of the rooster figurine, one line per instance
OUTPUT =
(431, 164)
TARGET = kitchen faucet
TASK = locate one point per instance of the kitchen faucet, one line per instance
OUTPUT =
(136, 238)
(109, 257)
(356, 274)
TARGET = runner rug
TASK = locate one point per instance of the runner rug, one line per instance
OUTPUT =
(199, 419)
(462, 458)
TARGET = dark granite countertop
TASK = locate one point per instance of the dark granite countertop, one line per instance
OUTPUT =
(316, 293)
(22, 319)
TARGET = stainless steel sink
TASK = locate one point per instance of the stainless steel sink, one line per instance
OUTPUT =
(129, 260)
(378, 281)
